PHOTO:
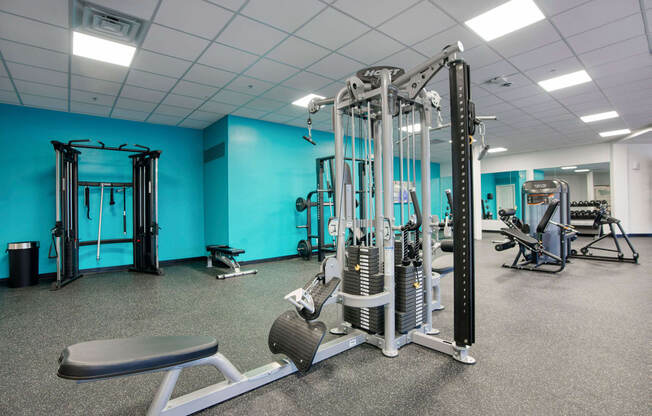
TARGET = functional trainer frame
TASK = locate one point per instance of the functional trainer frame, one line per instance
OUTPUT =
(375, 104)
(145, 209)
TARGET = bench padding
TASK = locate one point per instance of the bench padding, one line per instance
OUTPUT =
(118, 357)
(225, 250)
(520, 236)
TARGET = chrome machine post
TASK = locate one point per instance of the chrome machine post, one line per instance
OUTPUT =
(426, 209)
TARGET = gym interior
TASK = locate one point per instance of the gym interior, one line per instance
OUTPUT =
(232, 207)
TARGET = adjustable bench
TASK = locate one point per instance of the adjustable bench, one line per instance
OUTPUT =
(225, 256)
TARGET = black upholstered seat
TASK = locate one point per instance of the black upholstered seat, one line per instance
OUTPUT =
(519, 235)
(225, 250)
(117, 357)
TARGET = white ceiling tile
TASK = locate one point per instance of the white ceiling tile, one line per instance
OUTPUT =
(174, 43)
(164, 119)
(593, 14)
(374, 12)
(329, 90)
(88, 97)
(96, 69)
(526, 39)
(423, 21)
(265, 105)
(138, 105)
(8, 97)
(206, 116)
(182, 101)
(34, 33)
(143, 94)
(160, 64)
(91, 109)
(510, 94)
(32, 55)
(246, 34)
(553, 7)
(270, 71)
(554, 69)
(222, 56)
(49, 11)
(332, 29)
(194, 124)
(209, 75)
(141, 8)
(229, 4)
(231, 97)
(44, 102)
(249, 113)
(94, 85)
(31, 73)
(284, 94)
(480, 56)
(249, 85)
(191, 89)
(436, 43)
(642, 61)
(25, 87)
(550, 53)
(287, 15)
(405, 59)
(5, 84)
(488, 72)
(293, 111)
(610, 33)
(467, 9)
(151, 81)
(3, 72)
(215, 107)
(129, 114)
(172, 110)
(615, 52)
(334, 66)
(371, 47)
(196, 17)
(297, 52)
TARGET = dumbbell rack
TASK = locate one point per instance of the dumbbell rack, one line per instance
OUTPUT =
(583, 214)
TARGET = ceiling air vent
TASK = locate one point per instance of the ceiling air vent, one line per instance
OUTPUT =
(107, 23)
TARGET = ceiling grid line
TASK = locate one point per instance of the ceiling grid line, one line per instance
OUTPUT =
(11, 79)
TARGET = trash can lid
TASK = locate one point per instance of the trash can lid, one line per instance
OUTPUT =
(22, 245)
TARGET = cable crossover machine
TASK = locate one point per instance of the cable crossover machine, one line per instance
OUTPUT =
(65, 233)
(383, 294)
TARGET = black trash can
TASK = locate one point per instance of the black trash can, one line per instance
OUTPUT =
(23, 263)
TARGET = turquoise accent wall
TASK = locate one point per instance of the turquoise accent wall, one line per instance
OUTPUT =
(539, 175)
(491, 180)
(27, 204)
(488, 185)
(269, 166)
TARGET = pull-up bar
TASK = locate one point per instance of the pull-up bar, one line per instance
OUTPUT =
(106, 184)
(121, 148)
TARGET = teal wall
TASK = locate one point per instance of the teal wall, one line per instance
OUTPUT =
(216, 182)
(539, 175)
(491, 180)
(488, 186)
(27, 204)
(269, 166)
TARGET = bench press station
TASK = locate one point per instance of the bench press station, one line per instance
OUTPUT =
(297, 333)
(225, 256)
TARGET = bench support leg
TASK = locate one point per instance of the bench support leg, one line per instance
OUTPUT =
(164, 392)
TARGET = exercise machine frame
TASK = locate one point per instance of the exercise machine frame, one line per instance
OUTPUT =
(145, 209)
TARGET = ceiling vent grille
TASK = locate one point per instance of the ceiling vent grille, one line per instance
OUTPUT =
(106, 23)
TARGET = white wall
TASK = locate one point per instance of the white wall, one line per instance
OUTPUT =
(576, 183)
(552, 158)
(601, 178)
(639, 176)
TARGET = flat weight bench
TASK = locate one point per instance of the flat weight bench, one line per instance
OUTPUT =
(225, 256)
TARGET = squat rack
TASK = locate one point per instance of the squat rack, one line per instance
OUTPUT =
(145, 208)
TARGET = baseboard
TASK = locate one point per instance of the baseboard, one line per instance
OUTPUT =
(270, 259)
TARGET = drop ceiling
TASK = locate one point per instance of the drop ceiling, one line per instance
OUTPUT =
(203, 59)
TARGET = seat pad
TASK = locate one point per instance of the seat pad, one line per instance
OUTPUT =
(443, 264)
(118, 357)
(225, 250)
(520, 236)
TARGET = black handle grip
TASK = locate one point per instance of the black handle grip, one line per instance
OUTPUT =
(447, 246)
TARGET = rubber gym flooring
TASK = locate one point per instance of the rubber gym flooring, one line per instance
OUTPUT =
(576, 343)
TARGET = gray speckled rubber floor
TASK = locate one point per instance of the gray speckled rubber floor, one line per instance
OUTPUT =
(577, 343)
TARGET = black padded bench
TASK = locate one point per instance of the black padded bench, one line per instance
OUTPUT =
(119, 357)
(224, 256)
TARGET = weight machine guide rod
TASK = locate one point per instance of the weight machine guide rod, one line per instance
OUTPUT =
(107, 184)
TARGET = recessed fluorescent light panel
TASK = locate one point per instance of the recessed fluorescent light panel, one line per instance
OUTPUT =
(615, 133)
(581, 170)
(506, 18)
(565, 81)
(568, 167)
(103, 50)
(304, 101)
(497, 149)
(410, 129)
(599, 116)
